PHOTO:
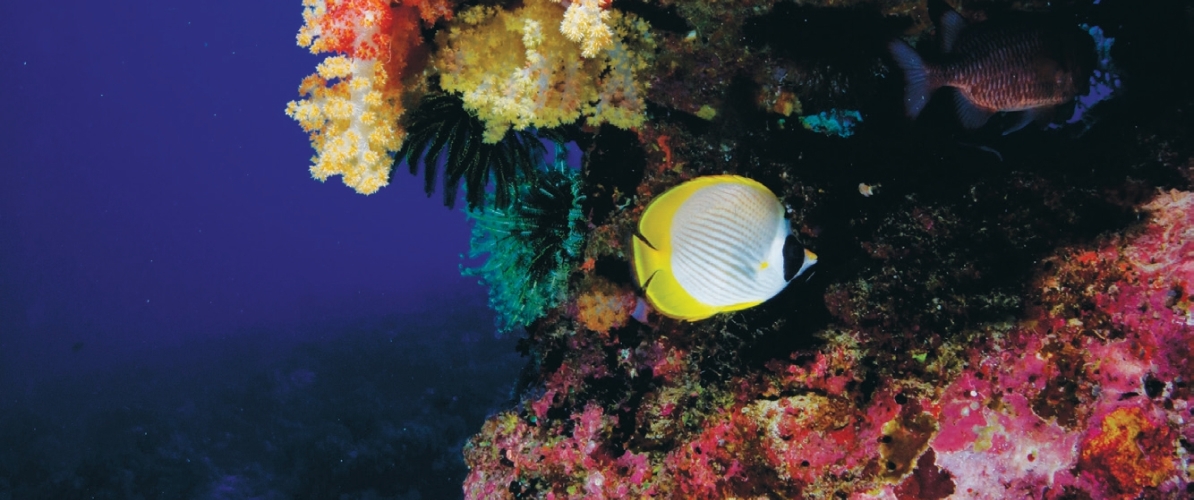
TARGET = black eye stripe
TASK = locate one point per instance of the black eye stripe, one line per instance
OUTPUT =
(793, 257)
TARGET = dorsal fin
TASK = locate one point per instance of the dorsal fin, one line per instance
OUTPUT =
(951, 25)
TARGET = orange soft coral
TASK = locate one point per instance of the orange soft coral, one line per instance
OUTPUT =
(354, 27)
(353, 101)
(604, 306)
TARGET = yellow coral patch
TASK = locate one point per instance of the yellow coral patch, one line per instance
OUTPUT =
(514, 69)
(352, 118)
(1130, 451)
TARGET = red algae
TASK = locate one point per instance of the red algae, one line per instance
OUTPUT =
(928, 481)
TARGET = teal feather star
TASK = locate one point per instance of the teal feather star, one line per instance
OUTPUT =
(532, 245)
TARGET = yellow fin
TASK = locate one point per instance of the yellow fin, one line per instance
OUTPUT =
(669, 298)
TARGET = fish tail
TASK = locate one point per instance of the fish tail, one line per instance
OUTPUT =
(918, 85)
(640, 310)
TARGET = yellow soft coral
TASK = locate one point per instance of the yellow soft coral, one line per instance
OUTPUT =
(587, 23)
(352, 122)
(515, 70)
(353, 101)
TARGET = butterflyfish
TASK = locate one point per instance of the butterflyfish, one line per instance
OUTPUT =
(715, 244)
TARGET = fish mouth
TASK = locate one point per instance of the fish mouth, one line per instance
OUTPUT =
(810, 258)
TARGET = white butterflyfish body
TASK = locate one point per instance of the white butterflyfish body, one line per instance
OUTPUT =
(715, 244)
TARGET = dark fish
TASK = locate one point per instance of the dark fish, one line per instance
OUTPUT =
(1030, 66)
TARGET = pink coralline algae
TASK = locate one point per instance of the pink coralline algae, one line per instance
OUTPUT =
(1006, 318)
(1086, 395)
(579, 465)
(1085, 400)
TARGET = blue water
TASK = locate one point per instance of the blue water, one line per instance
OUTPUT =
(184, 312)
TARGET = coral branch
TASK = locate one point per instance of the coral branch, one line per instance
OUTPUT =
(352, 118)
(353, 102)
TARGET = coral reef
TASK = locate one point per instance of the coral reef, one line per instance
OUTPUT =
(1067, 399)
(1008, 317)
(1085, 399)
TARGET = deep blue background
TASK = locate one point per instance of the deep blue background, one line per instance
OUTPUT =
(154, 192)
(184, 312)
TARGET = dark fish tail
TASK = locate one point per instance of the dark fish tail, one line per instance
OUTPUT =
(918, 82)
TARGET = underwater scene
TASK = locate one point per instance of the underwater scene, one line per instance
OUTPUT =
(597, 249)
